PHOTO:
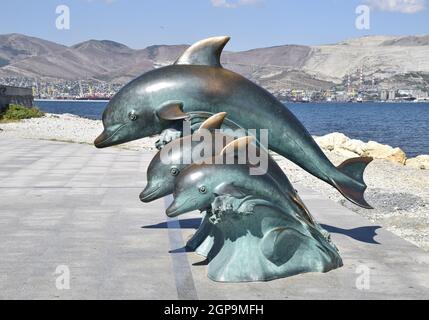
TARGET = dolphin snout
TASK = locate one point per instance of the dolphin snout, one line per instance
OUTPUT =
(172, 210)
(108, 137)
(149, 194)
(177, 208)
(100, 141)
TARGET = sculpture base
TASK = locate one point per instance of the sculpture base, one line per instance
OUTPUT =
(267, 245)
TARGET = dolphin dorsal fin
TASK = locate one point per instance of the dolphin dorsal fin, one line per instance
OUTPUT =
(205, 52)
(214, 122)
(238, 144)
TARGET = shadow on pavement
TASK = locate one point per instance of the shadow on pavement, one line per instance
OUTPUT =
(363, 234)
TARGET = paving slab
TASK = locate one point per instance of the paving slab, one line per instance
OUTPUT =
(68, 207)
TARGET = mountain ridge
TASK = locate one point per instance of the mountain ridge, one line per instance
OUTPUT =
(276, 67)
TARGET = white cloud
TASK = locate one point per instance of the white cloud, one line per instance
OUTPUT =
(234, 3)
(403, 6)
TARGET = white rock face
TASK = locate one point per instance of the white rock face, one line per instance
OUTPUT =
(382, 151)
(384, 54)
(420, 162)
(342, 145)
(355, 146)
(331, 141)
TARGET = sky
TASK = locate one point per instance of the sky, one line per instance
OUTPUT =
(250, 23)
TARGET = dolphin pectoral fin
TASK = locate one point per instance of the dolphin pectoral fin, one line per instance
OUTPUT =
(230, 189)
(205, 52)
(214, 122)
(172, 111)
(353, 189)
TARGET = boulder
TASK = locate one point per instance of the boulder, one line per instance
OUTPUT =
(420, 162)
(355, 146)
(382, 151)
(331, 141)
(344, 152)
(349, 148)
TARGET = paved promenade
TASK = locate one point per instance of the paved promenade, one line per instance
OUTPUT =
(67, 206)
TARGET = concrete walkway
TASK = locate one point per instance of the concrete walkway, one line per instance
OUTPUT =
(70, 207)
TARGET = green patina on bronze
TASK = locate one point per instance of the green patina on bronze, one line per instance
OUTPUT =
(198, 85)
(162, 175)
(258, 232)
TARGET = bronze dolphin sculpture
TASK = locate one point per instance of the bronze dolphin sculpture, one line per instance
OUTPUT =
(254, 240)
(198, 84)
(258, 233)
(218, 178)
(161, 175)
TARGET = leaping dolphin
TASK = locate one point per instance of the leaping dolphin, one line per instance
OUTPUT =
(198, 84)
(166, 166)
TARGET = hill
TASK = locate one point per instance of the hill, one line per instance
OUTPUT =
(386, 59)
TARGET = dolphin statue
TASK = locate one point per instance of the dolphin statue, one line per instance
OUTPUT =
(254, 240)
(197, 186)
(197, 84)
(161, 175)
(256, 235)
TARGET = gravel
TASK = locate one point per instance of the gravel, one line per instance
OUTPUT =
(67, 128)
(399, 194)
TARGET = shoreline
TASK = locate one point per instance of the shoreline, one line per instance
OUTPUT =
(398, 188)
(69, 100)
(283, 101)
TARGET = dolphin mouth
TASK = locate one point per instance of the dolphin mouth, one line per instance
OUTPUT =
(148, 197)
(173, 211)
(105, 138)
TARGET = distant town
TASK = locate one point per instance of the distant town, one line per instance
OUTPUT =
(353, 89)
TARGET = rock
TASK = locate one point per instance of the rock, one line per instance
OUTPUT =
(349, 148)
(398, 156)
(382, 151)
(355, 146)
(343, 152)
(52, 115)
(331, 141)
(420, 162)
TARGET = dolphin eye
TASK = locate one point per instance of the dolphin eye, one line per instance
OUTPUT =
(132, 115)
(202, 189)
(174, 171)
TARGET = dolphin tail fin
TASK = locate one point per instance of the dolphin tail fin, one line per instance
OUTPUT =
(353, 189)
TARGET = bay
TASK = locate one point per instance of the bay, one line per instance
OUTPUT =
(404, 125)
